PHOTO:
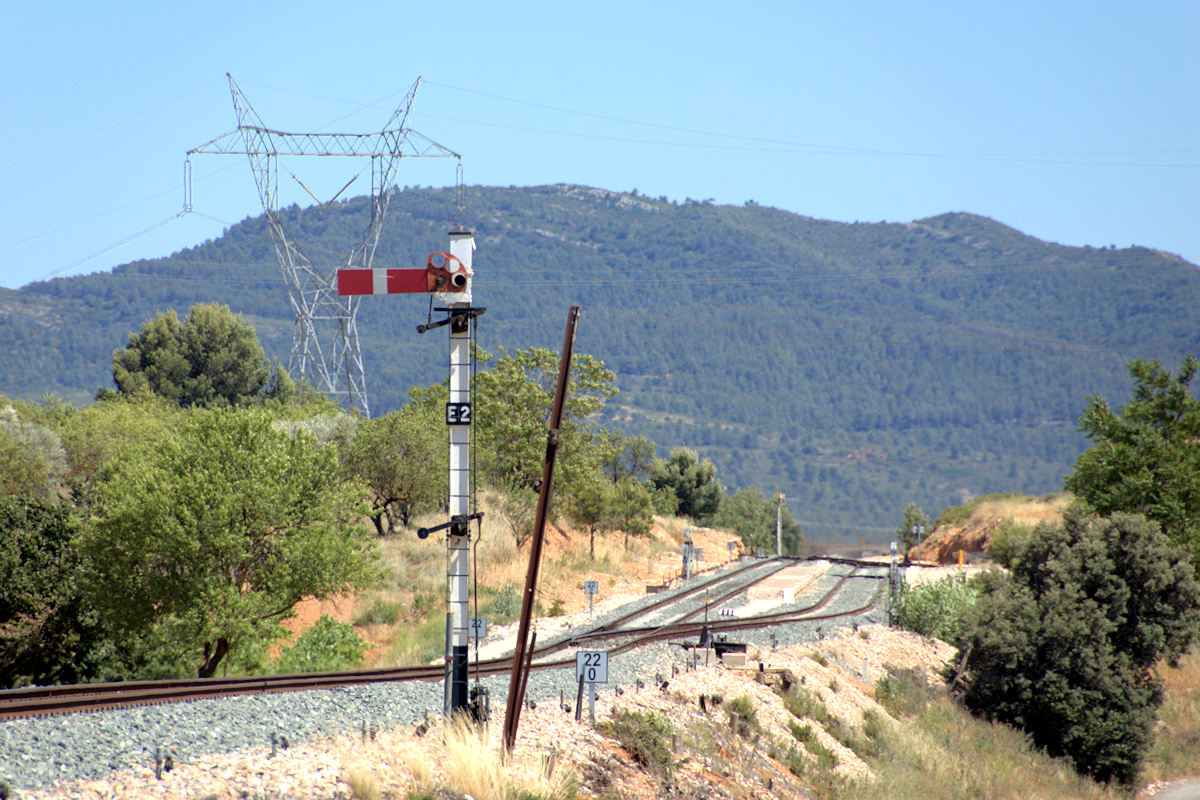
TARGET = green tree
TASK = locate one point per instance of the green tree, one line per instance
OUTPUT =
(907, 532)
(631, 509)
(47, 633)
(623, 456)
(1145, 459)
(693, 482)
(514, 398)
(208, 535)
(212, 359)
(591, 506)
(1064, 646)
(750, 514)
(32, 458)
(402, 457)
(95, 434)
(518, 508)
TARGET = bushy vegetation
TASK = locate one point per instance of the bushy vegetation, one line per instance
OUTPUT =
(750, 514)
(936, 608)
(170, 526)
(1063, 647)
(213, 358)
(1144, 458)
(938, 751)
(1007, 541)
(959, 514)
(647, 737)
(901, 693)
(912, 521)
(48, 632)
(327, 645)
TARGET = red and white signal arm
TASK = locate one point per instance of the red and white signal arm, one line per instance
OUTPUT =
(444, 274)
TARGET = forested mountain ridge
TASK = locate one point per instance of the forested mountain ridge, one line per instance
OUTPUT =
(857, 366)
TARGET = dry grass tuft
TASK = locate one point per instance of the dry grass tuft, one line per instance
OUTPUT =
(1176, 750)
(945, 753)
(1023, 511)
(362, 783)
(473, 764)
(417, 764)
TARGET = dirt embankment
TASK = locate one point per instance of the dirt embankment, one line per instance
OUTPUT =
(974, 534)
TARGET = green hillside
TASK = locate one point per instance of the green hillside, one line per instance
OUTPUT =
(857, 366)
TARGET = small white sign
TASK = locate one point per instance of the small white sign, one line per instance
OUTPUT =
(699, 554)
(731, 546)
(591, 587)
(477, 628)
(591, 666)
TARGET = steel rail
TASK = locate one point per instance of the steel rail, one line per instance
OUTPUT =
(680, 625)
(73, 698)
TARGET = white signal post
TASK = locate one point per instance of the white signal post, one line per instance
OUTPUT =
(458, 543)
(447, 276)
(591, 588)
(779, 523)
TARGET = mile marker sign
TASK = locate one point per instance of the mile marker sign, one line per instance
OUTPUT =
(591, 666)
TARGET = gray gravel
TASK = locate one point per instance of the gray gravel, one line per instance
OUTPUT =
(35, 753)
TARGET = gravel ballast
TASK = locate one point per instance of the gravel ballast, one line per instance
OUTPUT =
(39, 752)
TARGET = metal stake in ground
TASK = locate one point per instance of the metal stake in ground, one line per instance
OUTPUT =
(447, 276)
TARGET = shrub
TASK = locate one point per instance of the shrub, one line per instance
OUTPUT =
(936, 609)
(381, 612)
(794, 761)
(505, 604)
(801, 703)
(1064, 646)
(742, 714)
(957, 515)
(646, 735)
(901, 693)
(1007, 542)
(804, 734)
(326, 646)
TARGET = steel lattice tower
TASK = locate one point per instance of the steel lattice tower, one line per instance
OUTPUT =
(325, 350)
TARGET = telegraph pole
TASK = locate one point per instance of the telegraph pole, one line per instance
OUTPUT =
(447, 276)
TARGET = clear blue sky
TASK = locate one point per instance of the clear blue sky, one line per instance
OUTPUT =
(1075, 122)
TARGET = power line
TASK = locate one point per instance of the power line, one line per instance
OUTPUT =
(813, 148)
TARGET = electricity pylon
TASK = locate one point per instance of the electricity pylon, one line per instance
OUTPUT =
(333, 362)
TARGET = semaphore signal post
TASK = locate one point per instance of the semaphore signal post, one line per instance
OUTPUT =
(447, 276)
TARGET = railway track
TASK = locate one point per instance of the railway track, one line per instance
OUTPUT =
(619, 636)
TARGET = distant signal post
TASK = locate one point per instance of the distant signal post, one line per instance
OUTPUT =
(447, 276)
